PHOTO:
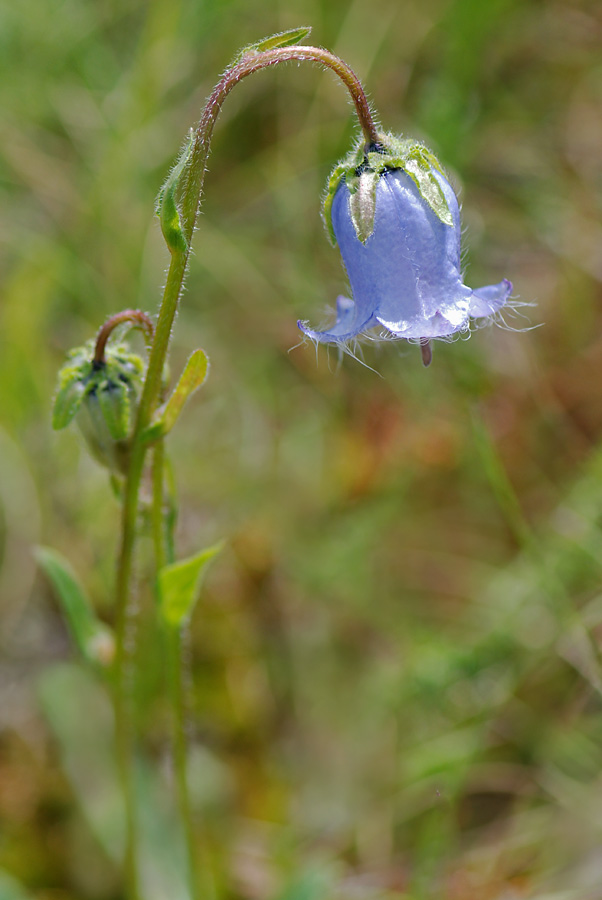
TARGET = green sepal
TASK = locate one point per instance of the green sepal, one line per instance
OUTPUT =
(167, 201)
(93, 638)
(71, 391)
(179, 585)
(193, 376)
(112, 454)
(340, 171)
(282, 39)
(115, 406)
(362, 202)
(364, 165)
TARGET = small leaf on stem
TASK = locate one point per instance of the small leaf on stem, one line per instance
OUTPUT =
(282, 39)
(167, 201)
(193, 376)
(93, 638)
(179, 586)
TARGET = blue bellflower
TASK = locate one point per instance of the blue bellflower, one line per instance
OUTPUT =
(405, 276)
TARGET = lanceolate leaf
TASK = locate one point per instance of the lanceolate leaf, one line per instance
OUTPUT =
(93, 638)
(193, 376)
(282, 39)
(167, 201)
(180, 585)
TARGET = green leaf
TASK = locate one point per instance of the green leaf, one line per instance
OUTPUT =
(362, 203)
(114, 401)
(282, 39)
(93, 638)
(68, 400)
(193, 376)
(167, 201)
(180, 584)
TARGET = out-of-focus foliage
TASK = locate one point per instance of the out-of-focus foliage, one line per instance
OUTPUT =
(395, 663)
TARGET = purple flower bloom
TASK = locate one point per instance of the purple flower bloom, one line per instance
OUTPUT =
(405, 277)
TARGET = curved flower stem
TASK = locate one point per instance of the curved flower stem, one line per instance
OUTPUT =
(136, 317)
(193, 187)
(189, 198)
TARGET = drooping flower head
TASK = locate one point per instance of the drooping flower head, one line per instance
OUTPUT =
(396, 220)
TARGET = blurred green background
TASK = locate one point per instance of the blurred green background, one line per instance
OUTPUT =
(395, 666)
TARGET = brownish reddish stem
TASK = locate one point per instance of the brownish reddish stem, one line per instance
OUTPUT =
(251, 63)
(137, 318)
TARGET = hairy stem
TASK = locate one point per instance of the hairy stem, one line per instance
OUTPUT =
(195, 174)
(135, 317)
(201, 887)
(163, 521)
(158, 519)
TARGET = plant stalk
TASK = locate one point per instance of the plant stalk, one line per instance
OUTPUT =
(189, 199)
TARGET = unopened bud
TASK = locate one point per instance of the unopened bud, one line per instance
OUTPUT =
(102, 397)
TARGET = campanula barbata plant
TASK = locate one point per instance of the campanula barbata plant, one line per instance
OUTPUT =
(395, 217)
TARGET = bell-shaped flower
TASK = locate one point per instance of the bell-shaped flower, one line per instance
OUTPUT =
(405, 276)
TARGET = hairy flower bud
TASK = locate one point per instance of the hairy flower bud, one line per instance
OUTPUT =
(102, 397)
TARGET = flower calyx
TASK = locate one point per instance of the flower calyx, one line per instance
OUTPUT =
(362, 169)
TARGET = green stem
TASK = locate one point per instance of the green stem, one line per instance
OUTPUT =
(199, 887)
(124, 731)
(158, 517)
(162, 528)
(189, 201)
(129, 517)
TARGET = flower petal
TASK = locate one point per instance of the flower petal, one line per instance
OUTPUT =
(443, 323)
(347, 324)
(488, 300)
(425, 290)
